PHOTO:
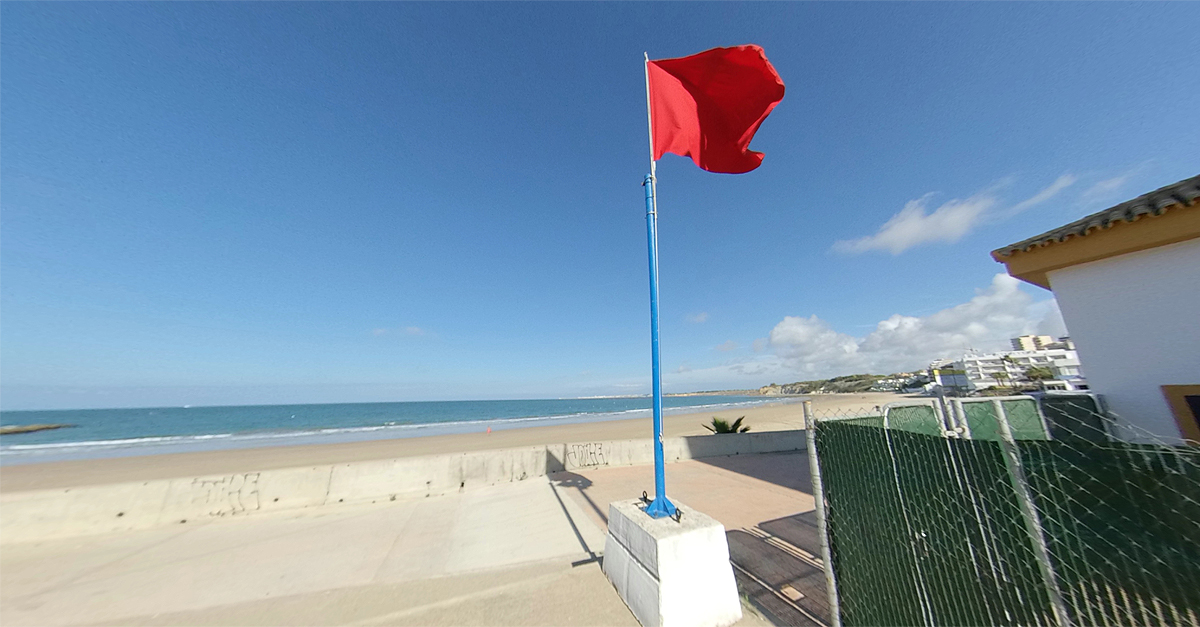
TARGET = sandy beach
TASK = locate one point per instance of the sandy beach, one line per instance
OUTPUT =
(773, 417)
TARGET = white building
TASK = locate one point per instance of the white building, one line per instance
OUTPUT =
(1040, 342)
(1006, 368)
(1126, 280)
(1031, 342)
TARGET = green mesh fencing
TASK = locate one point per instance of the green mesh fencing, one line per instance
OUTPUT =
(1074, 418)
(1122, 522)
(932, 530)
(869, 421)
(872, 556)
(981, 420)
(914, 418)
(1024, 421)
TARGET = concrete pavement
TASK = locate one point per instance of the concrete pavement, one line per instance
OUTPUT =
(256, 564)
(766, 505)
(523, 553)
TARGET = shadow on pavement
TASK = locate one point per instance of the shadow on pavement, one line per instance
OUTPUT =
(799, 531)
(778, 569)
(777, 563)
(789, 470)
(571, 480)
(566, 479)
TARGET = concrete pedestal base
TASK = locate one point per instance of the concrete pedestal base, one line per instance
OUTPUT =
(671, 574)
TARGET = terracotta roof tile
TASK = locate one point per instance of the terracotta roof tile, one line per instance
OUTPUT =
(1184, 194)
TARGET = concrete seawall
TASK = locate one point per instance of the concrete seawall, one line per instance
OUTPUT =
(60, 513)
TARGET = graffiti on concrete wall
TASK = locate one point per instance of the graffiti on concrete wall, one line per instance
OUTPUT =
(584, 455)
(227, 496)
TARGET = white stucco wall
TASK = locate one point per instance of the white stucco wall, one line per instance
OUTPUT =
(1135, 320)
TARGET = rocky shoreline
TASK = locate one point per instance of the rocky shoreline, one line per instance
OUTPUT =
(15, 429)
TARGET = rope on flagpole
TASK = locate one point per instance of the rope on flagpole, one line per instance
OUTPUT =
(650, 131)
(661, 506)
(650, 121)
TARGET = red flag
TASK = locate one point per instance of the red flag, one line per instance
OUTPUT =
(709, 105)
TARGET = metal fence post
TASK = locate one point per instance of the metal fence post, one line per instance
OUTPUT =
(960, 418)
(939, 408)
(1033, 523)
(814, 467)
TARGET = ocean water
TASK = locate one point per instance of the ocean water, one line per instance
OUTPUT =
(146, 431)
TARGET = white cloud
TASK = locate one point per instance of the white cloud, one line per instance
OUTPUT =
(727, 346)
(1052, 322)
(378, 332)
(809, 348)
(414, 330)
(760, 345)
(1057, 186)
(698, 318)
(1106, 188)
(914, 226)
(749, 373)
(812, 340)
(985, 322)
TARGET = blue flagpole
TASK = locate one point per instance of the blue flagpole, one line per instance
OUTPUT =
(661, 506)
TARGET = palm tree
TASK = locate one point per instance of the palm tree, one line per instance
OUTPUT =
(720, 425)
(1005, 362)
(1039, 374)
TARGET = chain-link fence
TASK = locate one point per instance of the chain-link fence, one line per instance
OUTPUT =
(1005, 511)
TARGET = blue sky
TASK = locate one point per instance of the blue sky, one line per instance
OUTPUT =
(220, 203)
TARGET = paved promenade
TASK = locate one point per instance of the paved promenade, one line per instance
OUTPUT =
(525, 553)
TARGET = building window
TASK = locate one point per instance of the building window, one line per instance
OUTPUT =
(1185, 405)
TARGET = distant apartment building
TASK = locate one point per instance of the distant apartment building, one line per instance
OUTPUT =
(950, 378)
(1125, 279)
(1008, 368)
(1040, 342)
(980, 371)
(1031, 342)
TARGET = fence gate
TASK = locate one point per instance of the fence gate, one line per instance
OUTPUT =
(995, 512)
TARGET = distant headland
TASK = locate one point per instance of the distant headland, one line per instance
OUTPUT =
(15, 429)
